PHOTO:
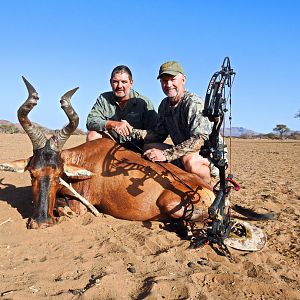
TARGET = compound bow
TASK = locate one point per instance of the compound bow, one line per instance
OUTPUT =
(219, 225)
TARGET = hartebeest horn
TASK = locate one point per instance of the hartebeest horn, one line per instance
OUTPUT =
(58, 140)
(36, 136)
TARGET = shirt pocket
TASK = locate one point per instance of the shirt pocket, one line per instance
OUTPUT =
(134, 119)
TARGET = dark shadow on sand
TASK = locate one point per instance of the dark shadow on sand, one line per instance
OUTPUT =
(18, 197)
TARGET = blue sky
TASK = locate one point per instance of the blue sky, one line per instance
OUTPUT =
(60, 44)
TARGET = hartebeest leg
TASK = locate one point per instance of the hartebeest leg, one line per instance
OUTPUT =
(186, 205)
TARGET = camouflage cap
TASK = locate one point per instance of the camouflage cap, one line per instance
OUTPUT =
(171, 68)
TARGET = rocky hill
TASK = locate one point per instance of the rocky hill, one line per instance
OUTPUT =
(240, 131)
(9, 127)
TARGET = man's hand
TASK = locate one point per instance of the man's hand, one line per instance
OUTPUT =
(155, 155)
(123, 128)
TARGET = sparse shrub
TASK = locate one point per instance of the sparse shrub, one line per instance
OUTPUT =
(10, 129)
(246, 136)
(282, 129)
(295, 135)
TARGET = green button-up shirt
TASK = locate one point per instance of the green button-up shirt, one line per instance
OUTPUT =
(139, 112)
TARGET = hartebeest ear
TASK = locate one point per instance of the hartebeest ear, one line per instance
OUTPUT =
(78, 172)
(18, 166)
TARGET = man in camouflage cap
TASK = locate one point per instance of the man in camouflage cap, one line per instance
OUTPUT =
(180, 117)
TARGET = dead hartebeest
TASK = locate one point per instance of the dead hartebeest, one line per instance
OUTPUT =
(115, 180)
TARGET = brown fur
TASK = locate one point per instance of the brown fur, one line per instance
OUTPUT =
(127, 186)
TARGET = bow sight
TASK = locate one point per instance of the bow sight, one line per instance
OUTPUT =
(219, 224)
(214, 109)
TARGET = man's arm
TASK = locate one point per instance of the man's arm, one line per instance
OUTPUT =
(191, 145)
(96, 119)
(121, 127)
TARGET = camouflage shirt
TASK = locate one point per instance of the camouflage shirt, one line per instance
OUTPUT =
(184, 123)
(139, 112)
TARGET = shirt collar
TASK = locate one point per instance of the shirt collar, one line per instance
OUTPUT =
(132, 99)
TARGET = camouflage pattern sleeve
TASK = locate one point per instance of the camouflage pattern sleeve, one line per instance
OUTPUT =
(148, 136)
(196, 122)
(189, 146)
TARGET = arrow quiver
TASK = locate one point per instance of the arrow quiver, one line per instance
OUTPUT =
(219, 225)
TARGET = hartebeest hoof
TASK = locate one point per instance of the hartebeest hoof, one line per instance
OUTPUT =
(66, 211)
(33, 224)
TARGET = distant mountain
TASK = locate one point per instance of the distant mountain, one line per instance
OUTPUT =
(239, 131)
(8, 123)
(9, 127)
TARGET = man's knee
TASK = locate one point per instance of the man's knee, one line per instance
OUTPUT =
(93, 135)
(196, 164)
(193, 162)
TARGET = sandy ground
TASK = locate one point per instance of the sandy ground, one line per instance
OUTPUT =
(106, 258)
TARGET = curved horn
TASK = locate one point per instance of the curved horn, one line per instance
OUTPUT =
(36, 136)
(58, 140)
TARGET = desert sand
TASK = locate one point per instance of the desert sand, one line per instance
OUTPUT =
(102, 257)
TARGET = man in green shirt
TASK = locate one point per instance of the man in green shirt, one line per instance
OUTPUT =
(121, 110)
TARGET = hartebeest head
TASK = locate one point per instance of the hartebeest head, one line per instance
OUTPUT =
(46, 165)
